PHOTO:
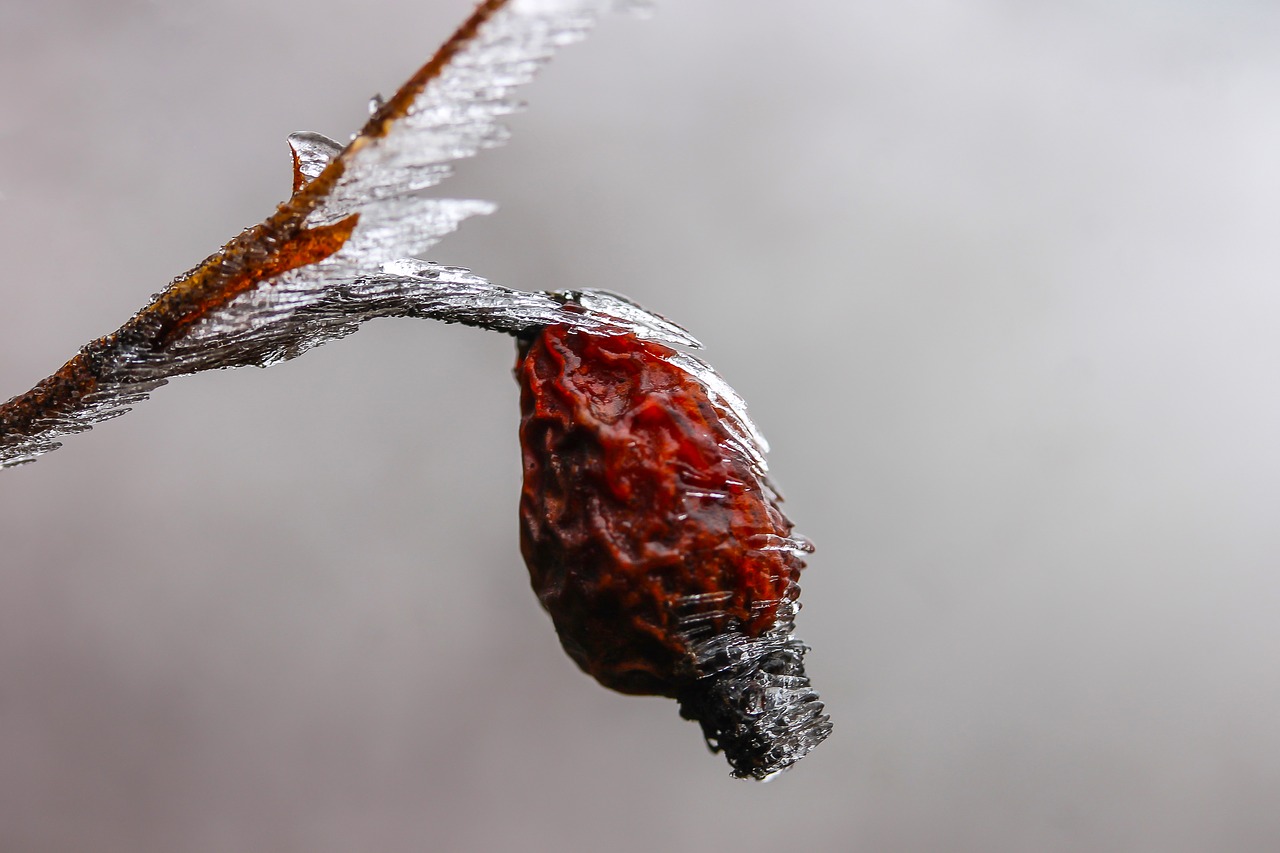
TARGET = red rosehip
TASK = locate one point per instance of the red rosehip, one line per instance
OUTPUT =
(655, 541)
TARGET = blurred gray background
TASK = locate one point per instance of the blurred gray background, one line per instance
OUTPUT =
(999, 281)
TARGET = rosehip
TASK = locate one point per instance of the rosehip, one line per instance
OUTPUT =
(655, 541)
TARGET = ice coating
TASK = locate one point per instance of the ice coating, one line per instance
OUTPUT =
(265, 326)
(443, 114)
(312, 152)
(272, 325)
(339, 251)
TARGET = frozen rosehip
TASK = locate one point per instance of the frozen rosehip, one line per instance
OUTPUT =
(654, 540)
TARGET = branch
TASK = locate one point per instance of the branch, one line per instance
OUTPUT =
(338, 252)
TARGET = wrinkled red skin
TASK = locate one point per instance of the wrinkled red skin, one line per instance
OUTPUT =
(623, 454)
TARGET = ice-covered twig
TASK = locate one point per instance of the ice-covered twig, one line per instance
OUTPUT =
(340, 250)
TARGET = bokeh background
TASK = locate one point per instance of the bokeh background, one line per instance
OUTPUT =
(999, 281)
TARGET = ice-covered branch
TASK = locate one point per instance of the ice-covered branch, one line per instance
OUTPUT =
(340, 250)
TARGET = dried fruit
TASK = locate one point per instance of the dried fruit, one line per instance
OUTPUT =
(655, 541)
